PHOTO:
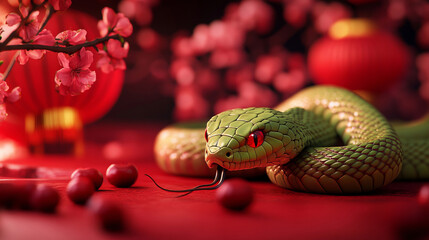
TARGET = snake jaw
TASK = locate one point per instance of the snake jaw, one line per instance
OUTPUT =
(213, 162)
(218, 156)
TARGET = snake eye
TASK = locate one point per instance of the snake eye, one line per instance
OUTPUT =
(255, 139)
(206, 136)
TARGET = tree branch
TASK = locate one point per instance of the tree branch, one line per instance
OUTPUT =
(10, 66)
(15, 32)
(50, 11)
(68, 50)
(23, 21)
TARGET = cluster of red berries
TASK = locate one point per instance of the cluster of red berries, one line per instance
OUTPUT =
(29, 195)
(85, 181)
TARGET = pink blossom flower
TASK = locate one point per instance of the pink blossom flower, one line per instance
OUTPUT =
(75, 77)
(60, 5)
(6, 96)
(3, 113)
(12, 96)
(3, 89)
(30, 28)
(72, 37)
(12, 19)
(116, 50)
(113, 22)
(45, 37)
(113, 58)
(23, 57)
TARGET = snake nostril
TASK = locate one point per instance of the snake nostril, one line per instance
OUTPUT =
(228, 154)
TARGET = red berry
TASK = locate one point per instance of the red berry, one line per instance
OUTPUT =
(80, 189)
(122, 175)
(235, 194)
(93, 174)
(44, 198)
(109, 213)
(423, 196)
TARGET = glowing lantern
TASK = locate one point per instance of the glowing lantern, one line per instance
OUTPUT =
(358, 56)
(54, 122)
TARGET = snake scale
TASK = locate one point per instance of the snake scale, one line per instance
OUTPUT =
(323, 139)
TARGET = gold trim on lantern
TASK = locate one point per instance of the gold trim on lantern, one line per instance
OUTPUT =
(65, 117)
(55, 130)
(351, 28)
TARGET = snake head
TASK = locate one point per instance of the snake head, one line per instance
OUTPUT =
(252, 137)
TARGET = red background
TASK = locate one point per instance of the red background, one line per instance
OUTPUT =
(153, 214)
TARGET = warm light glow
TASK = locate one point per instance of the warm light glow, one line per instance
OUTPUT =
(351, 28)
(55, 118)
(8, 150)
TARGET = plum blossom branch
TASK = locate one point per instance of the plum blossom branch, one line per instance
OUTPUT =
(14, 33)
(50, 11)
(24, 21)
(30, 40)
(10, 66)
(68, 50)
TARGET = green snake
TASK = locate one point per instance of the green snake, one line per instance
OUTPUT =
(323, 139)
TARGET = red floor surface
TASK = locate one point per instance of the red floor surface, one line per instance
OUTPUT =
(276, 213)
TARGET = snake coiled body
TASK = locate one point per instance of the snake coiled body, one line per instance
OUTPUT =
(323, 139)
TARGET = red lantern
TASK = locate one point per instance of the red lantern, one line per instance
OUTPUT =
(53, 122)
(358, 56)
